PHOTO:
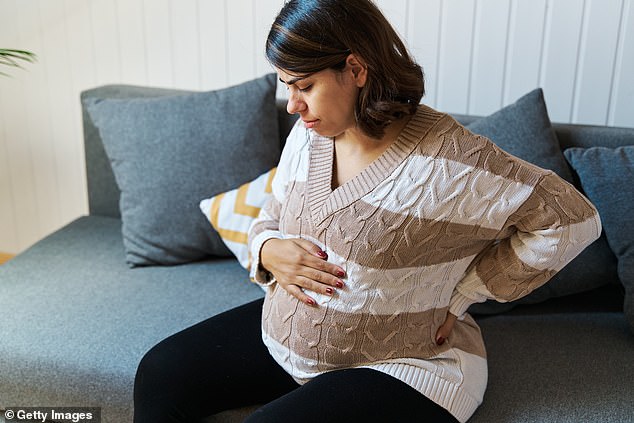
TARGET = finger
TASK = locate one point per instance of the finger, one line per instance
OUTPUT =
(296, 292)
(328, 273)
(311, 248)
(332, 269)
(322, 274)
(445, 329)
(315, 286)
(450, 321)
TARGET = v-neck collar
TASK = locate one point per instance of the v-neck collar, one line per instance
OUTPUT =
(323, 200)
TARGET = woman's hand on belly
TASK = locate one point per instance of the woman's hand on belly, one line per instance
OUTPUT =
(299, 264)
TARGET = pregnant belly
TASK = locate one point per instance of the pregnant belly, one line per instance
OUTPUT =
(331, 337)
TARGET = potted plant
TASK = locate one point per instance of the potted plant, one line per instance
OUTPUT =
(11, 57)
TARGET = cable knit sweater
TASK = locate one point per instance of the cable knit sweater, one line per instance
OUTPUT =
(442, 219)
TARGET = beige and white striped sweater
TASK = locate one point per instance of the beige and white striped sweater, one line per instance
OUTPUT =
(442, 219)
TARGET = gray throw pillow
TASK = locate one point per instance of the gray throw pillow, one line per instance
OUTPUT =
(524, 130)
(169, 152)
(607, 177)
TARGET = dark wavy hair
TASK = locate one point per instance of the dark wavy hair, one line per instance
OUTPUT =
(309, 36)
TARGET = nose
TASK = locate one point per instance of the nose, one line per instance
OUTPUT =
(295, 103)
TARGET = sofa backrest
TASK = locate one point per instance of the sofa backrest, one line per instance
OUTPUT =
(103, 193)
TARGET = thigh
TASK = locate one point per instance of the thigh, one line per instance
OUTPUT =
(215, 365)
(353, 395)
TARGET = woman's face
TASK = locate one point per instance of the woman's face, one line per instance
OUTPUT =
(325, 100)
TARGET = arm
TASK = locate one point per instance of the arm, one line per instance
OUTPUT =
(263, 229)
(266, 225)
(550, 228)
(294, 263)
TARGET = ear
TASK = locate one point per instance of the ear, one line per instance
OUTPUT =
(359, 69)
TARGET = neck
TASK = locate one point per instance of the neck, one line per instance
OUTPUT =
(354, 137)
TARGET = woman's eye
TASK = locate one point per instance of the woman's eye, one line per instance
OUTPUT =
(305, 89)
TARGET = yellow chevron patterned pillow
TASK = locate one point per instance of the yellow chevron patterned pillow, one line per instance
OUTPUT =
(232, 212)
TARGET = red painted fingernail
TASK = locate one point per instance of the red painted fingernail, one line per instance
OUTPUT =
(322, 254)
(340, 273)
(440, 341)
(310, 302)
(330, 291)
(339, 284)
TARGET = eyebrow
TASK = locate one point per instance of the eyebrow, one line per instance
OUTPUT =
(294, 80)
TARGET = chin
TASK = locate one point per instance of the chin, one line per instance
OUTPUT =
(323, 133)
(327, 133)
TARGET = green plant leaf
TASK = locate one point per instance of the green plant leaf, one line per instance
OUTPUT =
(11, 57)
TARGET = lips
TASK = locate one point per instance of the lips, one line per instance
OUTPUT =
(310, 123)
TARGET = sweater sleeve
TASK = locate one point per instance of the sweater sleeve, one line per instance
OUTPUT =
(548, 230)
(267, 224)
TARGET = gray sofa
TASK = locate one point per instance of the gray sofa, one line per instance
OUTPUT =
(76, 319)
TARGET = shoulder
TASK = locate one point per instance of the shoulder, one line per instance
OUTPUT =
(448, 139)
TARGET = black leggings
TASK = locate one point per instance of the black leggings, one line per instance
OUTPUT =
(221, 363)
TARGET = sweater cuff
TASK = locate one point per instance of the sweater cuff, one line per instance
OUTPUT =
(257, 273)
(459, 303)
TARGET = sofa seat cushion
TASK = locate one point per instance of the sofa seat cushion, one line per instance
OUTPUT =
(76, 320)
(559, 365)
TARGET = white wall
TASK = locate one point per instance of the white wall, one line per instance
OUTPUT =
(478, 55)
